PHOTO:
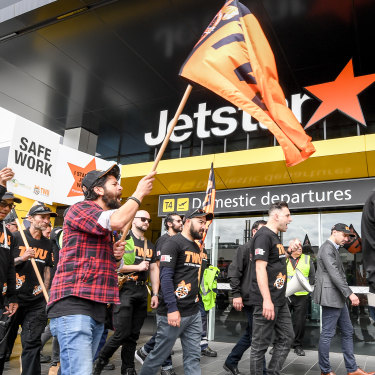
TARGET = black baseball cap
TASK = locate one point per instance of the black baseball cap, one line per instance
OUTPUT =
(9, 195)
(340, 227)
(93, 176)
(41, 209)
(198, 212)
(10, 218)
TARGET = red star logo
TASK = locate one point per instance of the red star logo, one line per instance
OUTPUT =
(78, 174)
(341, 94)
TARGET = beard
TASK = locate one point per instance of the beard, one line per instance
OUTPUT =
(141, 228)
(176, 229)
(112, 201)
(195, 234)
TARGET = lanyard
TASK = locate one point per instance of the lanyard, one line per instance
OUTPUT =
(294, 267)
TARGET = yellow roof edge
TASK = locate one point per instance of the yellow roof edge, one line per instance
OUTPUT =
(337, 146)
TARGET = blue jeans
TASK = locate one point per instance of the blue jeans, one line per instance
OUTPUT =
(244, 342)
(332, 317)
(150, 344)
(190, 335)
(79, 337)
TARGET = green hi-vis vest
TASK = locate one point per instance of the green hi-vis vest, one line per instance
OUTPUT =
(129, 254)
(304, 266)
(208, 287)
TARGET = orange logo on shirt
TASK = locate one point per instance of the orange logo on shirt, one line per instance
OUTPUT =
(183, 289)
(281, 249)
(39, 253)
(19, 280)
(280, 281)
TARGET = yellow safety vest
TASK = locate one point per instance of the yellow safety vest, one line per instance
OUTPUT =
(304, 266)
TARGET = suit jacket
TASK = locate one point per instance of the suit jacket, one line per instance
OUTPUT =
(331, 288)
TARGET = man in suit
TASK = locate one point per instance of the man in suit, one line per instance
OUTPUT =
(331, 291)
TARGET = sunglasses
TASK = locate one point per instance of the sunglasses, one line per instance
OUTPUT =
(6, 204)
(144, 219)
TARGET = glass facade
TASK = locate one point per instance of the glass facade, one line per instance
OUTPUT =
(226, 234)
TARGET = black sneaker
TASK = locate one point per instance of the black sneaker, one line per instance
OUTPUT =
(129, 371)
(140, 356)
(231, 369)
(99, 365)
(300, 352)
(208, 352)
(169, 371)
(109, 366)
(45, 358)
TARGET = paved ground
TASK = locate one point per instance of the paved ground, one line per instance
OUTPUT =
(294, 365)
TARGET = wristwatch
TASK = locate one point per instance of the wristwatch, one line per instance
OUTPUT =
(154, 294)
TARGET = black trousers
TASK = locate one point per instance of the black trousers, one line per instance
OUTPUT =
(262, 337)
(33, 320)
(128, 319)
(298, 307)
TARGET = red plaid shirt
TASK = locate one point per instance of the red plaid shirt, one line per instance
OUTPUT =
(87, 267)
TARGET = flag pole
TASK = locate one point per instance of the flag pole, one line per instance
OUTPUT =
(39, 277)
(180, 108)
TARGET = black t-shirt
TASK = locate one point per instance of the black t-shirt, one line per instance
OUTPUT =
(159, 244)
(267, 246)
(27, 284)
(78, 306)
(139, 257)
(183, 256)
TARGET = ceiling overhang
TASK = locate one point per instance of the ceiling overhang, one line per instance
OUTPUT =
(335, 159)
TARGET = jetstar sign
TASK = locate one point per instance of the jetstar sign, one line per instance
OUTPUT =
(340, 94)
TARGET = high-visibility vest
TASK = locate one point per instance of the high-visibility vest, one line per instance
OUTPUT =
(304, 266)
(208, 287)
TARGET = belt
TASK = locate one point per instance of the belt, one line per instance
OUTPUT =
(135, 282)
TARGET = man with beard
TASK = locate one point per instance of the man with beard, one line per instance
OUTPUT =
(178, 313)
(8, 305)
(31, 314)
(173, 225)
(239, 274)
(267, 293)
(85, 280)
(128, 317)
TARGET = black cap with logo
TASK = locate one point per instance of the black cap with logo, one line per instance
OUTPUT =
(89, 180)
(41, 209)
(340, 227)
(199, 213)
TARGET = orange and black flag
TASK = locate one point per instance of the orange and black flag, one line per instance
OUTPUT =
(209, 202)
(306, 241)
(234, 60)
(354, 245)
(306, 245)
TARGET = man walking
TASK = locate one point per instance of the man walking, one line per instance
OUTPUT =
(129, 316)
(331, 292)
(173, 225)
(31, 314)
(298, 301)
(267, 293)
(239, 273)
(86, 280)
(178, 314)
